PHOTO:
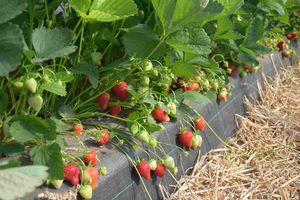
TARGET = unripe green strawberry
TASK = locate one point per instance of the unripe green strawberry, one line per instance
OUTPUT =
(103, 171)
(243, 74)
(36, 102)
(46, 78)
(215, 85)
(86, 192)
(226, 64)
(197, 141)
(172, 108)
(174, 170)
(31, 85)
(143, 136)
(145, 80)
(148, 66)
(152, 164)
(168, 161)
(240, 69)
(254, 69)
(18, 84)
(56, 183)
(154, 72)
(96, 57)
(153, 142)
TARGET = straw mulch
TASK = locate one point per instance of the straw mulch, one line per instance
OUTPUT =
(261, 161)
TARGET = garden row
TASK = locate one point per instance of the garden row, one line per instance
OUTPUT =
(80, 74)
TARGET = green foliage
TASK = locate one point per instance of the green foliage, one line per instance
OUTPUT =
(190, 39)
(9, 9)
(104, 10)
(90, 70)
(16, 182)
(11, 48)
(49, 44)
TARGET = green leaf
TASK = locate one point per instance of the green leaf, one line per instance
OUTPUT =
(55, 88)
(272, 5)
(81, 6)
(185, 70)
(255, 31)
(9, 163)
(191, 39)
(52, 43)
(11, 148)
(246, 56)
(9, 9)
(25, 128)
(17, 182)
(111, 10)
(3, 102)
(49, 156)
(90, 70)
(196, 97)
(174, 14)
(140, 41)
(11, 48)
(230, 6)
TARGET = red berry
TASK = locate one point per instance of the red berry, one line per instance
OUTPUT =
(144, 169)
(160, 115)
(78, 128)
(115, 110)
(281, 45)
(90, 158)
(160, 170)
(186, 138)
(71, 174)
(104, 137)
(286, 54)
(103, 100)
(91, 174)
(191, 86)
(120, 91)
(292, 35)
(200, 124)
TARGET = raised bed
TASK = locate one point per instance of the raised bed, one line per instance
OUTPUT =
(122, 182)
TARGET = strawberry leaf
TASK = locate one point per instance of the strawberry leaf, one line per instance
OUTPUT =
(18, 181)
(90, 70)
(196, 97)
(25, 128)
(9, 9)
(52, 43)
(49, 155)
(55, 88)
(11, 48)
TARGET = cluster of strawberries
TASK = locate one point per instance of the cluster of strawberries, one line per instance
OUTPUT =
(186, 138)
(120, 91)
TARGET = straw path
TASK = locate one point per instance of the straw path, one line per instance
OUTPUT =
(264, 159)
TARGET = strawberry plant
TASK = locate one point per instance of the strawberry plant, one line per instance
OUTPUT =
(138, 63)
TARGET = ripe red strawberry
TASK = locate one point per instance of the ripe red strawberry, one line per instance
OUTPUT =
(200, 124)
(286, 54)
(144, 169)
(160, 115)
(160, 170)
(115, 110)
(186, 138)
(103, 100)
(91, 176)
(292, 35)
(90, 158)
(191, 86)
(248, 68)
(120, 91)
(104, 137)
(281, 45)
(71, 174)
(223, 96)
(78, 128)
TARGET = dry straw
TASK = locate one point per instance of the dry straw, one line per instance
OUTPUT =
(264, 161)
